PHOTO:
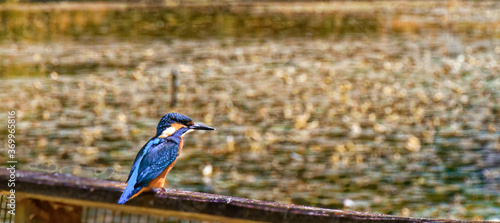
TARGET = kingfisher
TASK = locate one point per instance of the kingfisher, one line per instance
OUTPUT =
(158, 156)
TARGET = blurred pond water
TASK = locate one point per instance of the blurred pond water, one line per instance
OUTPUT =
(345, 109)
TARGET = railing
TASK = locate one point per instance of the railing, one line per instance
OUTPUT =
(46, 197)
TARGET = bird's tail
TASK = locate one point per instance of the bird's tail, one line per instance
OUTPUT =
(129, 193)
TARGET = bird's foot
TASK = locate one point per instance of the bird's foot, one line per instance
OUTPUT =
(159, 190)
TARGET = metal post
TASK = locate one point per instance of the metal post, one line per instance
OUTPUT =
(175, 87)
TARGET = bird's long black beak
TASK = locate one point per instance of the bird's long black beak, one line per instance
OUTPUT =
(197, 126)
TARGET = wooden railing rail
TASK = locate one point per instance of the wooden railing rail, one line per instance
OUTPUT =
(54, 197)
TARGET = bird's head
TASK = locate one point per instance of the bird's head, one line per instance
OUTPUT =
(177, 123)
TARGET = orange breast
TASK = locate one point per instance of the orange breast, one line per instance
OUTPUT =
(159, 181)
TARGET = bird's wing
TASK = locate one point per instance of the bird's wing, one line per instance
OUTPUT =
(156, 159)
(152, 142)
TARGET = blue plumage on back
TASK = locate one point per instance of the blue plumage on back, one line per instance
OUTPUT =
(131, 188)
(152, 142)
(159, 158)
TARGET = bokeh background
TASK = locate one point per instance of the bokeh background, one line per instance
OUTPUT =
(382, 106)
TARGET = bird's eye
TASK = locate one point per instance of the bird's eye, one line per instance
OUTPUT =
(190, 123)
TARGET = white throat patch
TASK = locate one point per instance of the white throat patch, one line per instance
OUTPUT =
(188, 131)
